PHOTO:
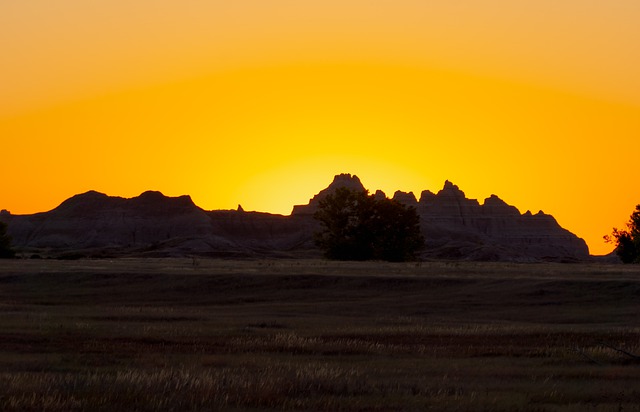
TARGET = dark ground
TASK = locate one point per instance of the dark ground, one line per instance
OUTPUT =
(184, 334)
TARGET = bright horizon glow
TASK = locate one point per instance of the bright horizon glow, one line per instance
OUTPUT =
(262, 103)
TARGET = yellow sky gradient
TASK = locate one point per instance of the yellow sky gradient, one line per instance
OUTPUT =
(260, 103)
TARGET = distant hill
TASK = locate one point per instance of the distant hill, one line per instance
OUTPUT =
(93, 224)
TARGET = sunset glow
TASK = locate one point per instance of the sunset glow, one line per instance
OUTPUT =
(260, 103)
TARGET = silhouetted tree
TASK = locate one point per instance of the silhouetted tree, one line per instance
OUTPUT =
(5, 243)
(628, 241)
(357, 226)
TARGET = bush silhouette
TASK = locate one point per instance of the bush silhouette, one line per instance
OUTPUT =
(5, 243)
(357, 226)
(628, 241)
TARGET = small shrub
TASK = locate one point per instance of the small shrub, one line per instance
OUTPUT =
(628, 241)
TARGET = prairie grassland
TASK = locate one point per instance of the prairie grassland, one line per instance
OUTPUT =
(206, 335)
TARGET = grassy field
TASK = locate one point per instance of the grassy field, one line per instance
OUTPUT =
(206, 335)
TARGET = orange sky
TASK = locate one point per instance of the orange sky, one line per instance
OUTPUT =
(262, 102)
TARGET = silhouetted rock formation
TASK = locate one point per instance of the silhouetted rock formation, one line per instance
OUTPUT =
(405, 198)
(95, 220)
(494, 230)
(94, 224)
(341, 180)
(459, 228)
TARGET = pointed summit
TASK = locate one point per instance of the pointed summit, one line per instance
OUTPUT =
(379, 195)
(344, 180)
(347, 180)
(451, 191)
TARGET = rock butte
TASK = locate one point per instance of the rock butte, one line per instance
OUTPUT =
(93, 224)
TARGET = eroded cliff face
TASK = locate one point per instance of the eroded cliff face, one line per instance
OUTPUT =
(95, 220)
(493, 230)
(94, 224)
(461, 228)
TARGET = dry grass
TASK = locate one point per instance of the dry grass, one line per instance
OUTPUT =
(151, 335)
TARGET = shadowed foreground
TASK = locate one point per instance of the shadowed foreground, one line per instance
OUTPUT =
(179, 334)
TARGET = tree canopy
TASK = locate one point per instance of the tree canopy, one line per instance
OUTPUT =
(359, 226)
(5, 242)
(628, 241)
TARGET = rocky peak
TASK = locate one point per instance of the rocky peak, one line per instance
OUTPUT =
(347, 180)
(406, 198)
(451, 191)
(153, 198)
(91, 195)
(379, 195)
(85, 202)
(452, 202)
(427, 196)
(493, 205)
